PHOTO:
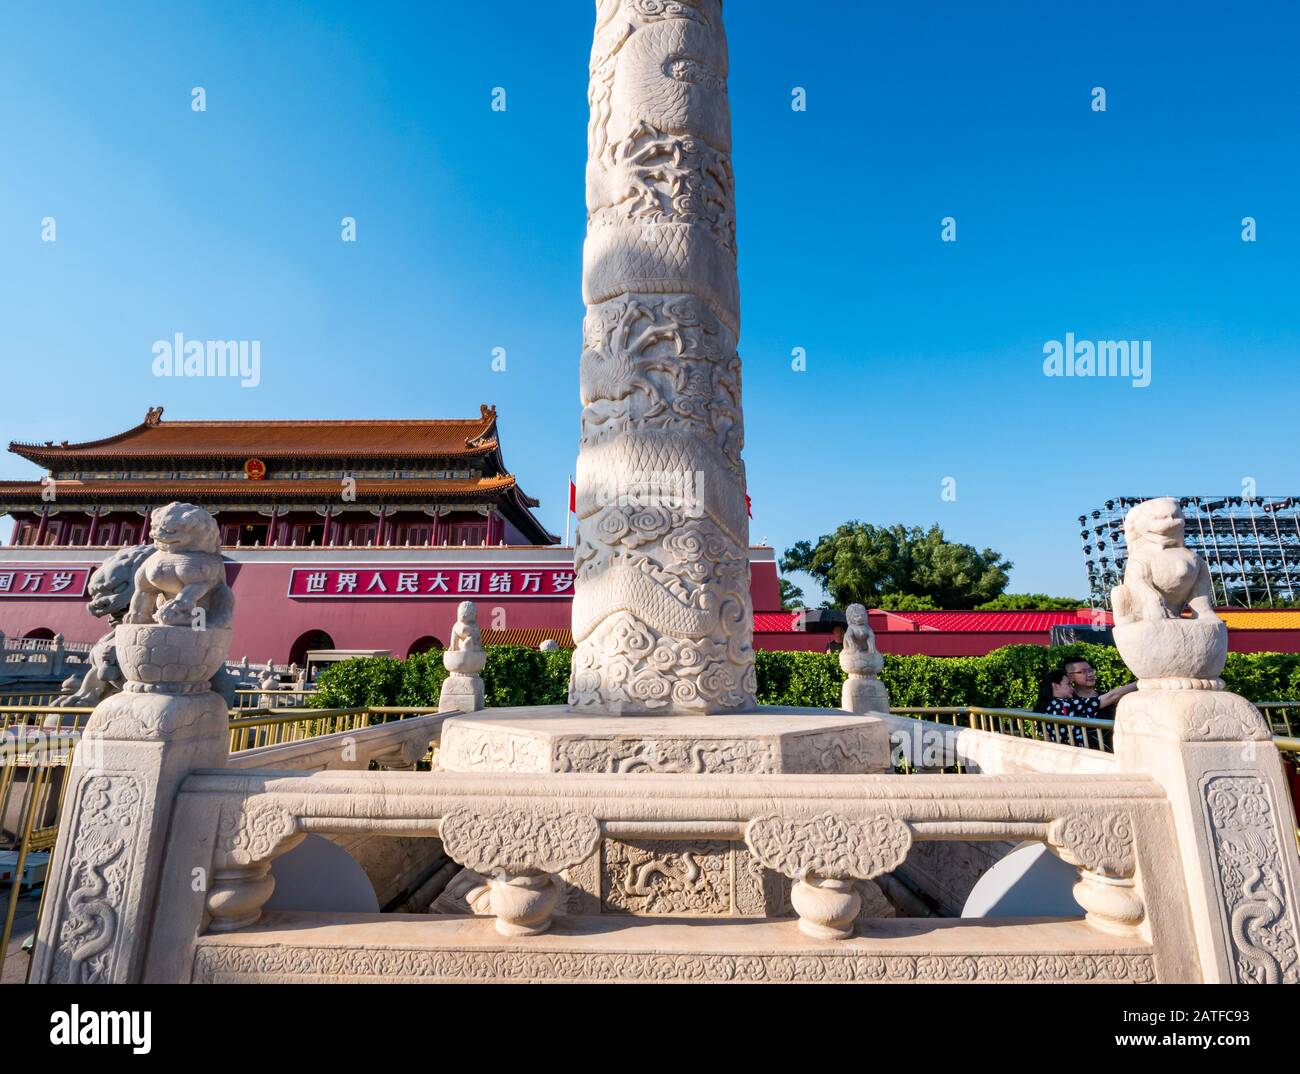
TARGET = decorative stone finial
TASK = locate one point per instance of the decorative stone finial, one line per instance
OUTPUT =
(464, 659)
(1165, 625)
(861, 662)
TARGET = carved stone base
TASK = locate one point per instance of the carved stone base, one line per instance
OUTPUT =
(861, 693)
(657, 878)
(771, 739)
(654, 877)
(461, 693)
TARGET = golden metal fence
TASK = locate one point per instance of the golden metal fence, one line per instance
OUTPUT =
(252, 699)
(1020, 723)
(1283, 717)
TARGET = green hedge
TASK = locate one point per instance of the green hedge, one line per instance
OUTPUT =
(514, 676)
(1005, 678)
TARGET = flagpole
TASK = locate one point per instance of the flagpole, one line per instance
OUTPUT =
(568, 510)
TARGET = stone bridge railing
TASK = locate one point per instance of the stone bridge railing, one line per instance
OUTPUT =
(821, 832)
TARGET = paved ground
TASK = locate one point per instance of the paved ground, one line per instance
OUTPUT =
(15, 967)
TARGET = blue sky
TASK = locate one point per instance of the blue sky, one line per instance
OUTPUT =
(924, 358)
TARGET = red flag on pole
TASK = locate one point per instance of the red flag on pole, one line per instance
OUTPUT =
(573, 496)
(749, 505)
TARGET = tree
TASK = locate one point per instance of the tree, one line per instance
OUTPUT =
(1037, 602)
(791, 595)
(906, 602)
(859, 563)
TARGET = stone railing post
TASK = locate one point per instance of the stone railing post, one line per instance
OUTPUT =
(520, 851)
(136, 749)
(1213, 754)
(824, 856)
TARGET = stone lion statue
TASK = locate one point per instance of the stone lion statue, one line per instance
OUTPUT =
(1162, 576)
(111, 588)
(185, 574)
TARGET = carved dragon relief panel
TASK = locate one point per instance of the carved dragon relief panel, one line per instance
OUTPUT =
(108, 824)
(1260, 912)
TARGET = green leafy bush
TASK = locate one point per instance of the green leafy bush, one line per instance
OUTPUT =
(1038, 602)
(1004, 678)
(514, 675)
(366, 680)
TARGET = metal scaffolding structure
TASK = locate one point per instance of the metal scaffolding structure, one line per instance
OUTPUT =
(1252, 546)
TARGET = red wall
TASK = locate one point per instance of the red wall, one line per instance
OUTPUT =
(268, 622)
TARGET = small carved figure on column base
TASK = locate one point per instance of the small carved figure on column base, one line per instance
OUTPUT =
(861, 663)
(183, 583)
(464, 659)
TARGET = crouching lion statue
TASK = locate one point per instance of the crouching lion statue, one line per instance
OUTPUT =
(1163, 580)
(1162, 576)
(184, 582)
(113, 590)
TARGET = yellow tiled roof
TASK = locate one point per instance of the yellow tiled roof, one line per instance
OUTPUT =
(1282, 620)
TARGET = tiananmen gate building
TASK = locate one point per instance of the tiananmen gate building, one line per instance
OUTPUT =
(338, 534)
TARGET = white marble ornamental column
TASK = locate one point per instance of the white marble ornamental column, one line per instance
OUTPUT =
(662, 617)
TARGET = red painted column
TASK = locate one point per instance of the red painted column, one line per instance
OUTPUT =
(271, 535)
(325, 530)
(42, 525)
(148, 527)
(94, 526)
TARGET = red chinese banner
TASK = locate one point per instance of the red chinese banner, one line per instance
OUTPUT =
(44, 581)
(466, 583)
